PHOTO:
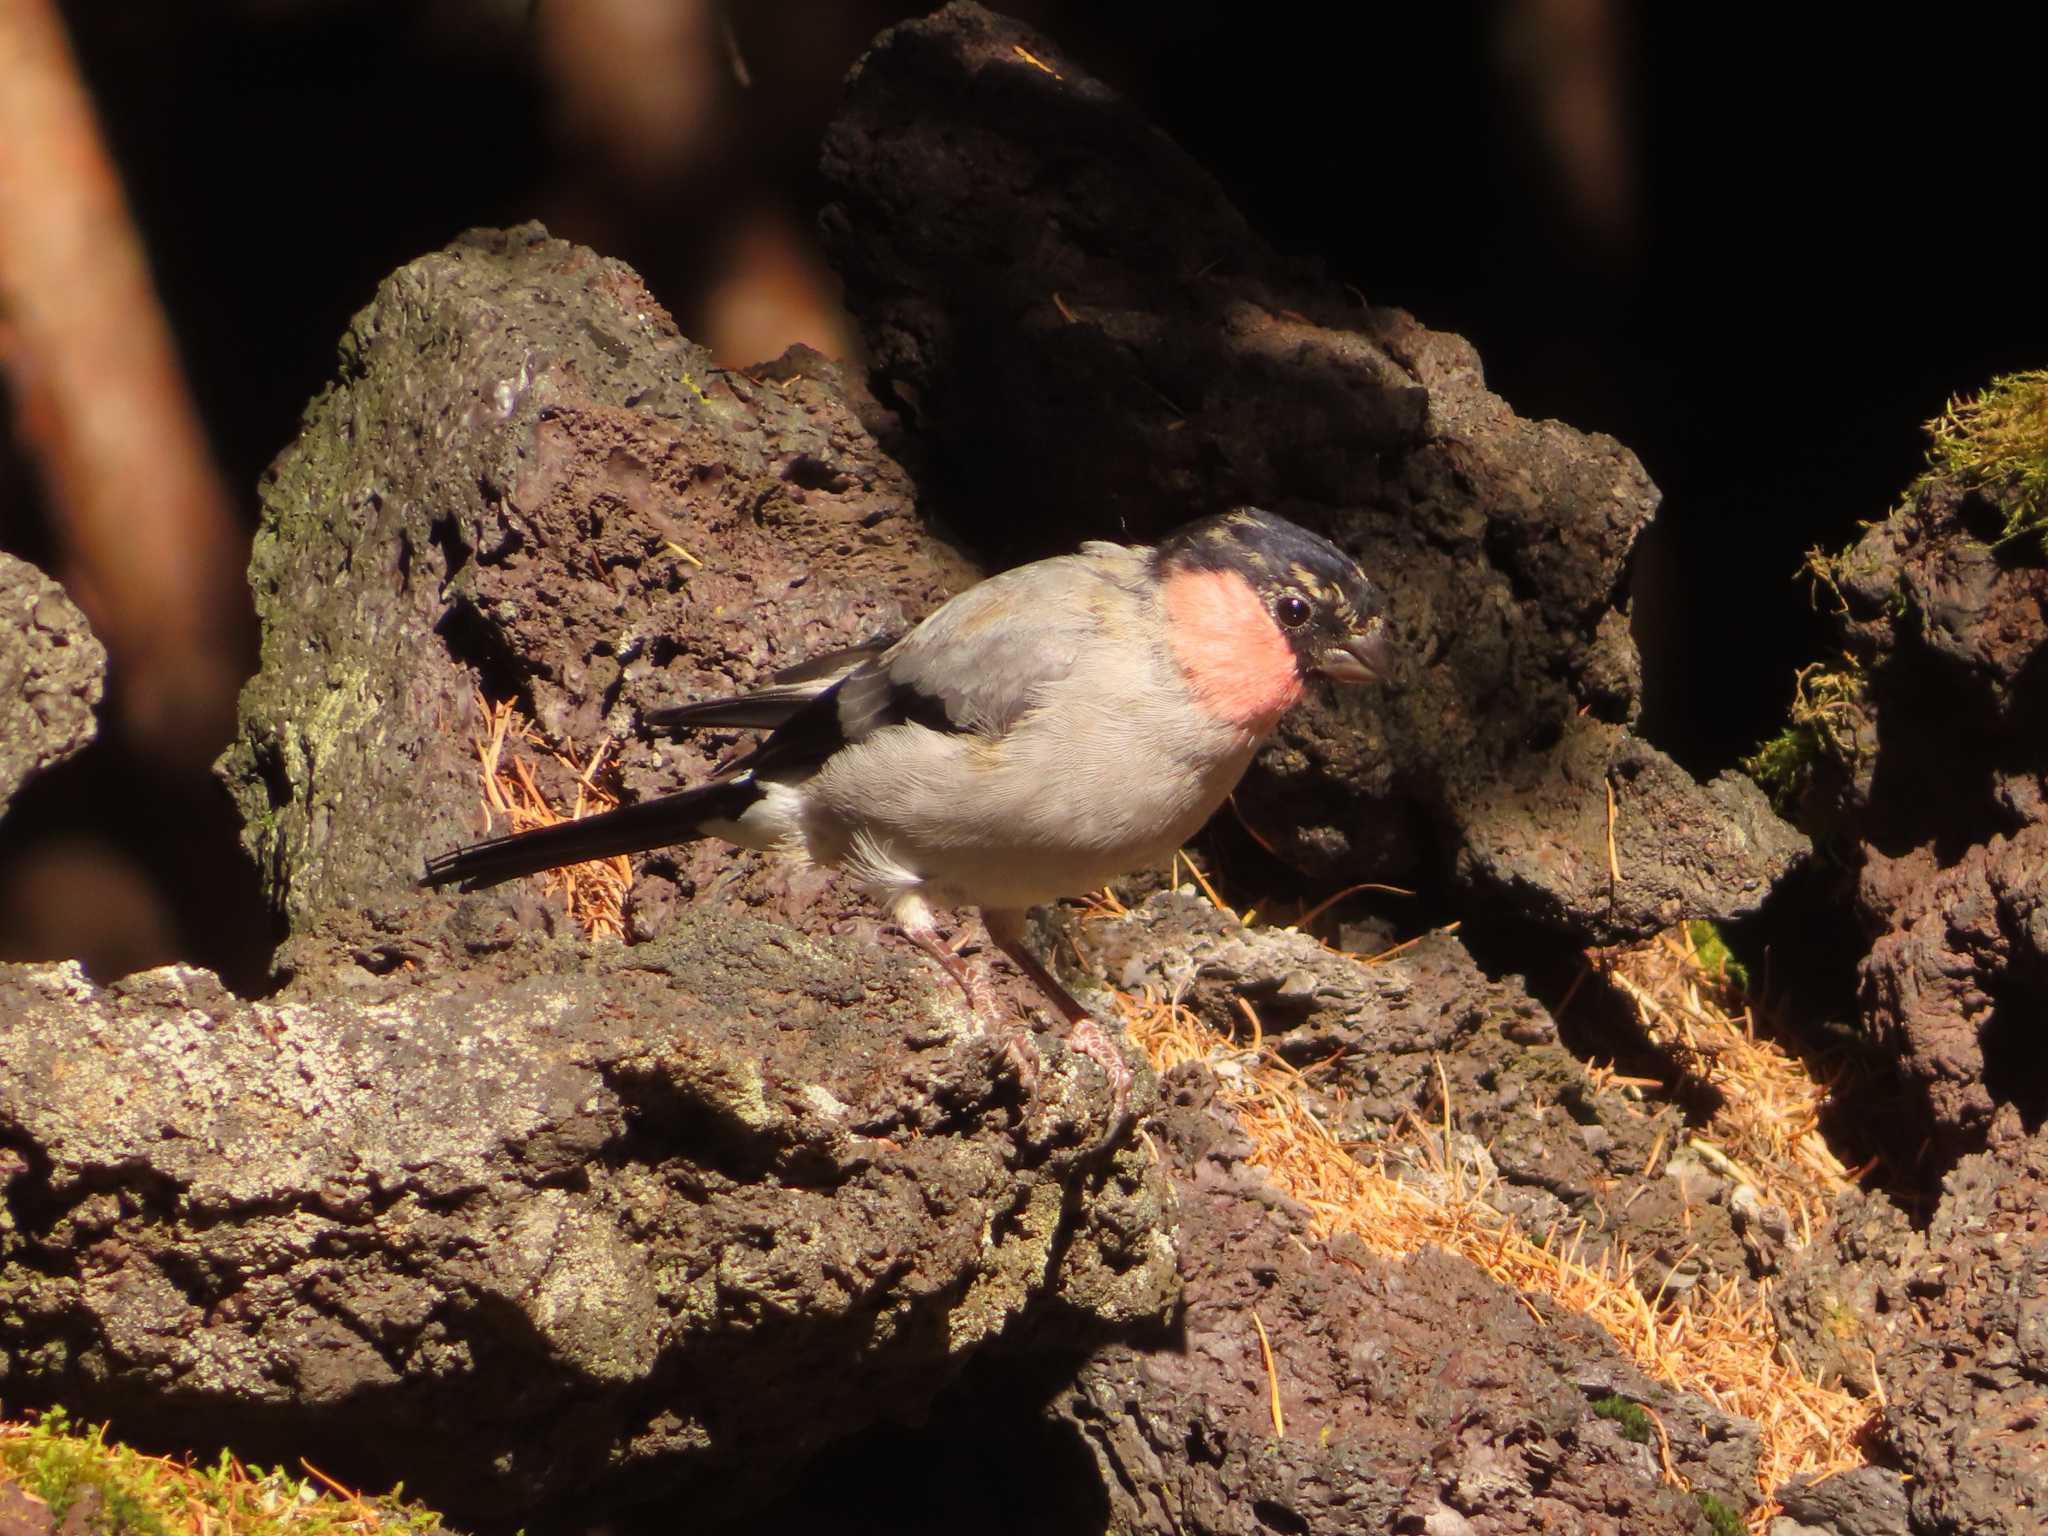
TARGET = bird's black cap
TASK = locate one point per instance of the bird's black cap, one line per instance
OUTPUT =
(1270, 552)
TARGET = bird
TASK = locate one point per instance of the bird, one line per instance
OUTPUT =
(1044, 732)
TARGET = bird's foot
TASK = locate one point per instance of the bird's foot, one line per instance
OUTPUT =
(915, 920)
(1089, 1038)
(1017, 1049)
(1084, 1035)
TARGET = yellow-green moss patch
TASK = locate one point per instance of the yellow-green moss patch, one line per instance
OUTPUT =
(1822, 745)
(1997, 441)
(137, 1495)
(1714, 955)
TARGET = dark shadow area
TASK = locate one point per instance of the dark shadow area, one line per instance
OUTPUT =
(94, 845)
(1767, 331)
(985, 1460)
(2016, 1055)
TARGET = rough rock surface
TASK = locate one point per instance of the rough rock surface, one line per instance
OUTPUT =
(1957, 981)
(1394, 1421)
(52, 674)
(1952, 633)
(1868, 1501)
(1948, 1329)
(1932, 776)
(526, 482)
(1966, 1376)
(1834, 1299)
(1948, 617)
(1929, 772)
(1553, 1148)
(512, 1226)
(497, 1214)
(1090, 341)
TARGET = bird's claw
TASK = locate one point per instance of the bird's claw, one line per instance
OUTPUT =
(1019, 1050)
(1088, 1037)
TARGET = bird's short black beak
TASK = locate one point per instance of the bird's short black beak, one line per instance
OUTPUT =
(1365, 657)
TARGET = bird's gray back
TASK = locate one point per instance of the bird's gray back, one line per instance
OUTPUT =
(986, 656)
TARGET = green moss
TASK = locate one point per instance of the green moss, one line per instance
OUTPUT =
(1720, 1518)
(1633, 1418)
(1997, 442)
(149, 1496)
(58, 1467)
(1782, 765)
(1806, 767)
(1714, 955)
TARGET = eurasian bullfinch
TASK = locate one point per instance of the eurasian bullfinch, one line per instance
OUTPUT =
(1044, 732)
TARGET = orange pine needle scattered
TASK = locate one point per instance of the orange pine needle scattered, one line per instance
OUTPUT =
(1671, 1474)
(1717, 1342)
(1272, 1378)
(331, 1485)
(1613, 854)
(1766, 1132)
(1250, 831)
(1407, 944)
(1328, 902)
(1034, 60)
(593, 893)
(1202, 880)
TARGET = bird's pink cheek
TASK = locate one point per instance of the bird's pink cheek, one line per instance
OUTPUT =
(1233, 655)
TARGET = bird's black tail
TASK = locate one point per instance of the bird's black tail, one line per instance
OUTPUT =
(677, 818)
(785, 696)
(762, 710)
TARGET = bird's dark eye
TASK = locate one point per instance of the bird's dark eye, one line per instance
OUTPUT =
(1293, 611)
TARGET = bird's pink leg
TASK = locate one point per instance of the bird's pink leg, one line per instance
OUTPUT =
(914, 916)
(1083, 1033)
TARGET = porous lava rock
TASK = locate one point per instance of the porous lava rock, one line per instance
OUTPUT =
(1921, 759)
(536, 1228)
(526, 485)
(52, 674)
(1927, 768)
(1424, 1036)
(1966, 1376)
(1947, 1328)
(1414, 1394)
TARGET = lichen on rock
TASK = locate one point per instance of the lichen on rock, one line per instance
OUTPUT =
(52, 676)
